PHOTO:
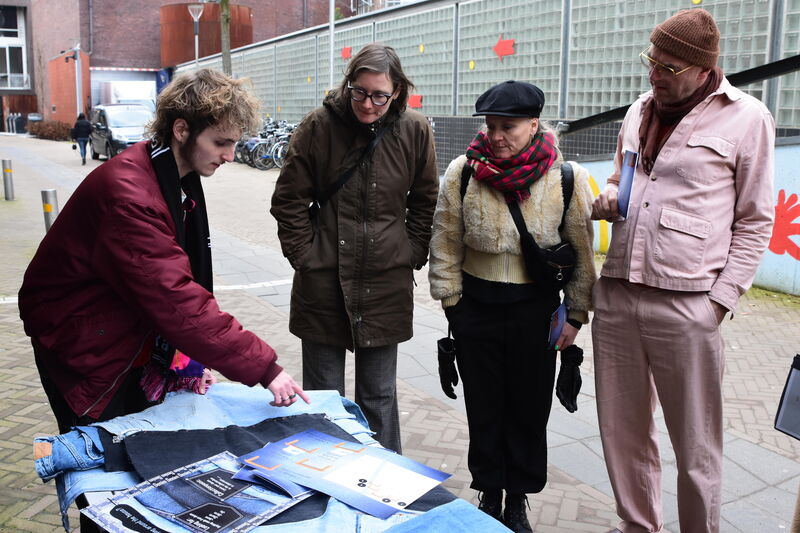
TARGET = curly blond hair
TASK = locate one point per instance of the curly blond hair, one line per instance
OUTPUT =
(204, 98)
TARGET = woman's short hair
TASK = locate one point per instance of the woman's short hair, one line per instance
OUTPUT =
(378, 58)
(204, 98)
(546, 127)
(543, 127)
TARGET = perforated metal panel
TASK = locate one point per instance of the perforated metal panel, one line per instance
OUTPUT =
(352, 38)
(605, 71)
(606, 37)
(258, 64)
(604, 67)
(535, 27)
(424, 42)
(744, 36)
(296, 82)
(788, 113)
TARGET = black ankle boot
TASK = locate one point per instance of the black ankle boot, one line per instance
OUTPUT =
(515, 516)
(491, 503)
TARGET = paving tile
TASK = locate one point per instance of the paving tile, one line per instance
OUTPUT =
(749, 518)
(768, 466)
(578, 461)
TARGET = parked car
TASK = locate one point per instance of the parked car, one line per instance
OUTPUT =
(117, 126)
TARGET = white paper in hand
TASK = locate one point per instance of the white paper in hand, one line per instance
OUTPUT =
(629, 161)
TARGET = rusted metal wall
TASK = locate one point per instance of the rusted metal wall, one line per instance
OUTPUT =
(177, 32)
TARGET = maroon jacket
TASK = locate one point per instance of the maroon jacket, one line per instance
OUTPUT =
(109, 273)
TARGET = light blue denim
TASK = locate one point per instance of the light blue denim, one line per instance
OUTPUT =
(458, 515)
(80, 449)
(228, 404)
(223, 405)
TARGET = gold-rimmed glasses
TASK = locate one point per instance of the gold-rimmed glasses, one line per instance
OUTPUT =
(650, 63)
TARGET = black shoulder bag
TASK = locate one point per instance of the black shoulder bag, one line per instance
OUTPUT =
(551, 267)
(318, 202)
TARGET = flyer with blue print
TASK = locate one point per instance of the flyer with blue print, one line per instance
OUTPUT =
(374, 480)
(557, 321)
(203, 496)
(265, 477)
(629, 161)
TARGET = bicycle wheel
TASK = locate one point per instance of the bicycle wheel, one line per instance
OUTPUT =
(247, 156)
(261, 157)
(257, 155)
(279, 153)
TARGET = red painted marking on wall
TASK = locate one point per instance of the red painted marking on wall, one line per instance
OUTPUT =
(786, 212)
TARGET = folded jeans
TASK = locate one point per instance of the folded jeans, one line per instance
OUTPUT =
(80, 449)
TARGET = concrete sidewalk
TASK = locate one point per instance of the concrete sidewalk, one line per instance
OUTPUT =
(253, 282)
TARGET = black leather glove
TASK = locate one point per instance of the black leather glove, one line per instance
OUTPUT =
(568, 384)
(448, 375)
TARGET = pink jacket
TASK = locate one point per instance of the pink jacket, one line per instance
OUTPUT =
(703, 218)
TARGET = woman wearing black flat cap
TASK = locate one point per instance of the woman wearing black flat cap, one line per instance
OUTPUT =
(499, 315)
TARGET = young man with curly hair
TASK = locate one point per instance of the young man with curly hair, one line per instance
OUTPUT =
(121, 285)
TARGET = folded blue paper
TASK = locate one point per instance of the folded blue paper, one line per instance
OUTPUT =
(627, 172)
(557, 321)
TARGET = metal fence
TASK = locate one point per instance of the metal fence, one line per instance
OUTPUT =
(582, 53)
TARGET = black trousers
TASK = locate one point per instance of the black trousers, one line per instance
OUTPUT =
(508, 374)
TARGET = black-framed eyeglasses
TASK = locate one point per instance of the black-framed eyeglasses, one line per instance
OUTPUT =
(650, 63)
(359, 95)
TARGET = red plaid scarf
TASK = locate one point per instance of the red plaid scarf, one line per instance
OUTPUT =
(513, 177)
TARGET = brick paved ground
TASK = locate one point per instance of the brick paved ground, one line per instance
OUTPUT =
(761, 470)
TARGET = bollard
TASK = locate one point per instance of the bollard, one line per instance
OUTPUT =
(50, 207)
(8, 180)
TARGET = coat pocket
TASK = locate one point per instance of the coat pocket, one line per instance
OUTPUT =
(682, 240)
(705, 159)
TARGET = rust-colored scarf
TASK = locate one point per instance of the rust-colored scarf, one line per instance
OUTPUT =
(658, 120)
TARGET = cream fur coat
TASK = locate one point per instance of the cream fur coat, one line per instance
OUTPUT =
(484, 224)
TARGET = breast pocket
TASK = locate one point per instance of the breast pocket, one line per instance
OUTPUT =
(705, 158)
(681, 240)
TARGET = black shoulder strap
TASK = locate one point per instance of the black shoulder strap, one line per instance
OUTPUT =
(466, 173)
(567, 187)
(339, 183)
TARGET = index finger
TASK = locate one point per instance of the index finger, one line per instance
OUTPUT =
(299, 390)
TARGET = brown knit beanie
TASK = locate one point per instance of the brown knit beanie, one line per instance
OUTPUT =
(691, 35)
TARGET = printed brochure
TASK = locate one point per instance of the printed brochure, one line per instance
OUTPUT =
(203, 496)
(371, 479)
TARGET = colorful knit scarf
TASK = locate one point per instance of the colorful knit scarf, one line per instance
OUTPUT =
(513, 177)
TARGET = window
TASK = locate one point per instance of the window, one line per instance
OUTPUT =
(9, 23)
(13, 55)
(126, 117)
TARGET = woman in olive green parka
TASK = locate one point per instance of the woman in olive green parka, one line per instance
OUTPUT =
(354, 262)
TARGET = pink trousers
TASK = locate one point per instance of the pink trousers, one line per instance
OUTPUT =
(659, 345)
